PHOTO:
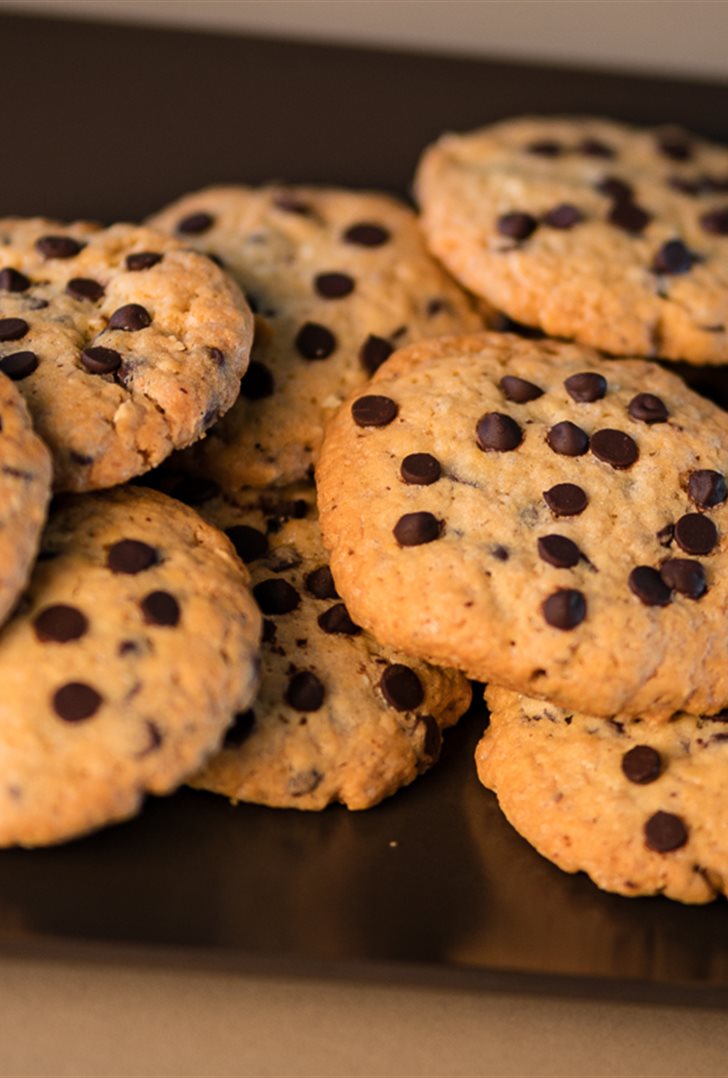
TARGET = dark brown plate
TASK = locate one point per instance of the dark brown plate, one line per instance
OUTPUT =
(110, 122)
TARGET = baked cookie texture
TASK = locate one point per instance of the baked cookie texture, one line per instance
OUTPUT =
(337, 717)
(135, 644)
(640, 807)
(589, 229)
(124, 344)
(25, 490)
(539, 517)
(338, 279)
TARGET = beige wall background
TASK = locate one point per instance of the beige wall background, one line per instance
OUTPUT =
(672, 36)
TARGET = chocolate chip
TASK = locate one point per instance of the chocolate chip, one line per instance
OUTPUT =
(707, 488)
(18, 365)
(433, 736)
(60, 623)
(373, 352)
(564, 609)
(497, 432)
(333, 285)
(275, 596)
(629, 217)
(142, 260)
(131, 556)
(366, 234)
(58, 246)
(675, 146)
(567, 439)
(401, 687)
(500, 552)
(320, 583)
(615, 448)
(76, 701)
(242, 727)
(545, 147)
(420, 469)
(519, 390)
(563, 216)
(12, 280)
(566, 500)
(614, 188)
(647, 408)
(586, 387)
(305, 692)
(289, 203)
(160, 608)
(684, 185)
(195, 223)
(594, 147)
(131, 317)
(100, 360)
(685, 576)
(12, 329)
(85, 288)
(257, 382)
(696, 534)
(674, 257)
(315, 341)
(414, 529)
(517, 226)
(374, 411)
(666, 535)
(559, 551)
(716, 222)
(249, 542)
(217, 356)
(337, 620)
(642, 764)
(649, 587)
(665, 832)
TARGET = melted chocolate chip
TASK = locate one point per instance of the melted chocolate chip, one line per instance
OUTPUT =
(58, 246)
(566, 500)
(615, 448)
(674, 257)
(337, 620)
(305, 692)
(18, 365)
(160, 608)
(420, 469)
(131, 556)
(373, 353)
(333, 285)
(519, 390)
(614, 188)
(517, 226)
(498, 433)
(12, 280)
(675, 146)
(101, 360)
(649, 587)
(629, 217)
(257, 383)
(374, 411)
(545, 147)
(593, 147)
(716, 222)
(249, 543)
(401, 687)
(586, 387)
(59, 624)
(564, 216)
(684, 576)
(647, 408)
(76, 701)
(314, 341)
(559, 551)
(707, 488)
(696, 534)
(12, 329)
(131, 317)
(242, 727)
(642, 764)
(665, 832)
(275, 596)
(320, 583)
(366, 234)
(414, 529)
(142, 260)
(195, 223)
(85, 288)
(564, 609)
(567, 439)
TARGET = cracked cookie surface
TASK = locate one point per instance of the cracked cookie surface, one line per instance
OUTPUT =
(124, 345)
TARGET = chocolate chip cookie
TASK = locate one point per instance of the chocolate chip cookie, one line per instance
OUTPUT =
(135, 644)
(337, 717)
(614, 236)
(537, 516)
(338, 280)
(124, 344)
(638, 806)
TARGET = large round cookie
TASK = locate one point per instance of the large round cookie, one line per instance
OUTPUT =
(337, 717)
(136, 643)
(640, 807)
(539, 517)
(124, 345)
(338, 279)
(25, 487)
(613, 236)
